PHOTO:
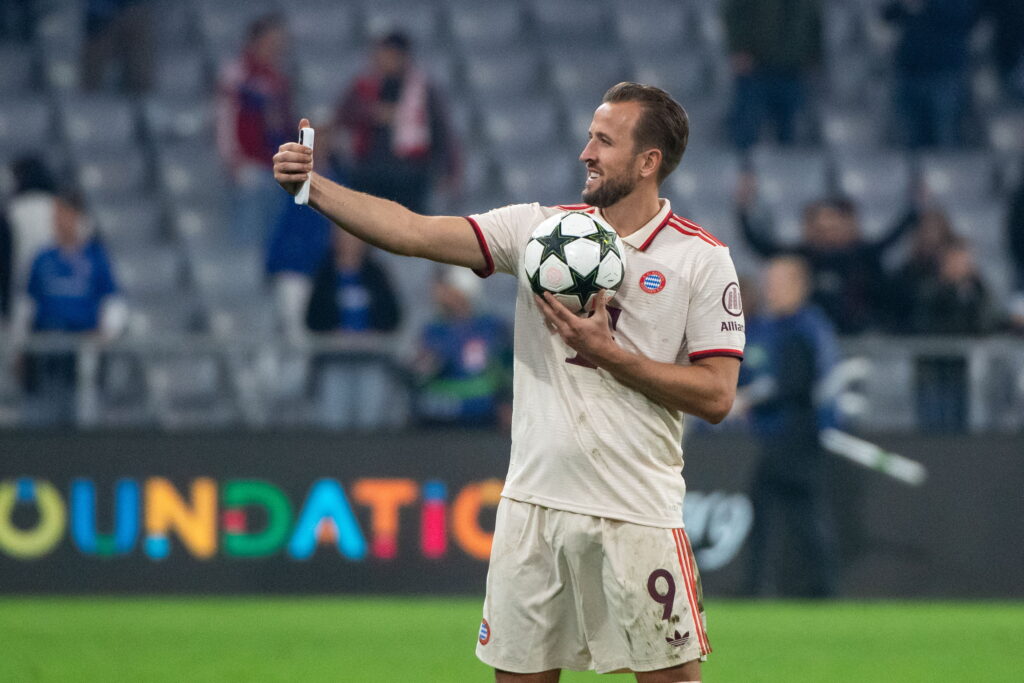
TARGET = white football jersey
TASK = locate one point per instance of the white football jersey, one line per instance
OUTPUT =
(581, 440)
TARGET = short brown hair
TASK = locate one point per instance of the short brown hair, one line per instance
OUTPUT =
(664, 124)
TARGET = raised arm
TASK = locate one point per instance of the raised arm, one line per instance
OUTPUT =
(380, 222)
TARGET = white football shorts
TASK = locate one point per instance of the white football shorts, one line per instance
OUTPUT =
(571, 591)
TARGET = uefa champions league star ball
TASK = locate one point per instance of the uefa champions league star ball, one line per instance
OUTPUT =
(574, 255)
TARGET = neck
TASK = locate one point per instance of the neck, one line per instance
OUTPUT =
(633, 211)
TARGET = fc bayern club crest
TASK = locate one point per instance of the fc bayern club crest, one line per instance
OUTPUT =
(485, 632)
(652, 281)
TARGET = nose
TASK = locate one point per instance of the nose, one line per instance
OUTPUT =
(587, 154)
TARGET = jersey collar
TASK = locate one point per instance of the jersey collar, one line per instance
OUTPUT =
(645, 235)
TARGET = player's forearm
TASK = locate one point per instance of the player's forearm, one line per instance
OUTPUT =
(377, 221)
(695, 389)
(394, 228)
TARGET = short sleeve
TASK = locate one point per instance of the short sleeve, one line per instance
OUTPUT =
(714, 323)
(503, 234)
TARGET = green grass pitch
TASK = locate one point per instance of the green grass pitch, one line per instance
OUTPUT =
(419, 639)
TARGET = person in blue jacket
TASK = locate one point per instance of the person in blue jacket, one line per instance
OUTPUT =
(791, 348)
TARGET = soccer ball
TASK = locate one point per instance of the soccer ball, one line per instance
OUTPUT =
(574, 255)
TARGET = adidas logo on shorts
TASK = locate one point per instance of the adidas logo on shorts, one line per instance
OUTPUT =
(679, 640)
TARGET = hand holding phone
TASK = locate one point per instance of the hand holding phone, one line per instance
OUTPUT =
(306, 136)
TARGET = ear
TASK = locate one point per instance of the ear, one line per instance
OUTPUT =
(650, 162)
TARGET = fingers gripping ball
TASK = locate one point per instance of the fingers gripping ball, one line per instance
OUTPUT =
(574, 255)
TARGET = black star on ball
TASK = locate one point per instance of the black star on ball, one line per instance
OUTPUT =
(554, 244)
(606, 240)
(584, 286)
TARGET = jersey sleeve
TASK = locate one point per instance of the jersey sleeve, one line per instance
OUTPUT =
(714, 323)
(503, 234)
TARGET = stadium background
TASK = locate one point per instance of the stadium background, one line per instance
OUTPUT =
(200, 385)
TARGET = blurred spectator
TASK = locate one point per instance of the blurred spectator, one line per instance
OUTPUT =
(400, 135)
(1015, 233)
(931, 86)
(848, 279)
(1007, 19)
(71, 288)
(931, 236)
(773, 45)
(791, 348)
(254, 117)
(353, 295)
(119, 32)
(957, 300)
(301, 241)
(463, 366)
(30, 214)
(351, 291)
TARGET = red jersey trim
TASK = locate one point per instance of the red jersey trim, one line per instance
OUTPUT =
(488, 269)
(647, 242)
(711, 353)
(693, 226)
(574, 207)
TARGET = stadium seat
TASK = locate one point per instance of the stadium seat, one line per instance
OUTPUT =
(706, 116)
(98, 123)
(684, 73)
(706, 175)
(553, 177)
(442, 66)
(198, 225)
(877, 217)
(574, 23)
(250, 316)
(145, 274)
(175, 24)
(223, 25)
(874, 176)
(1005, 131)
(584, 74)
(223, 274)
(661, 22)
(419, 20)
(113, 175)
(172, 118)
(518, 124)
(983, 223)
(154, 317)
(959, 176)
(181, 74)
(25, 124)
(790, 177)
(498, 74)
(130, 224)
(190, 173)
(481, 25)
(849, 76)
(845, 130)
(324, 24)
(17, 70)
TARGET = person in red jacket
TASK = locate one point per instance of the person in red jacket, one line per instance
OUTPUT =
(399, 132)
(254, 114)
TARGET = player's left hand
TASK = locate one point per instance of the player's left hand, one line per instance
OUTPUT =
(591, 337)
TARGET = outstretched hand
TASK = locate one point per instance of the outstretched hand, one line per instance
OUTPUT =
(591, 336)
(293, 163)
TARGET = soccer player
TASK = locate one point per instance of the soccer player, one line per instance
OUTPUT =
(590, 565)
